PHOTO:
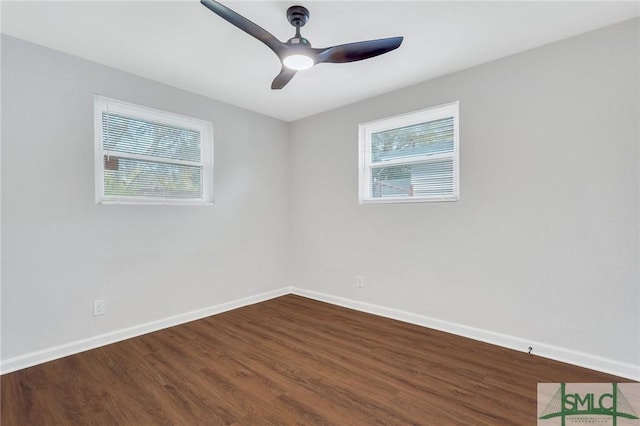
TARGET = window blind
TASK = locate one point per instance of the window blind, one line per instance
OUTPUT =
(137, 136)
(148, 159)
(412, 141)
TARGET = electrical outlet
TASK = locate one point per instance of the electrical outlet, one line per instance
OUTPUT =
(99, 307)
(359, 281)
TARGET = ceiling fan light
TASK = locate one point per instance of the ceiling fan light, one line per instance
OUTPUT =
(298, 62)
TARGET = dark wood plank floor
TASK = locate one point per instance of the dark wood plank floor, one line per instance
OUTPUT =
(289, 360)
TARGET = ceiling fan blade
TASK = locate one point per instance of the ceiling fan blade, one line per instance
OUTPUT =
(245, 25)
(357, 51)
(283, 78)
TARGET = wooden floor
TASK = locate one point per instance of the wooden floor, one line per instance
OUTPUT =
(289, 360)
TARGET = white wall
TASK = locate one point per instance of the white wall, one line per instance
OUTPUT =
(543, 244)
(61, 250)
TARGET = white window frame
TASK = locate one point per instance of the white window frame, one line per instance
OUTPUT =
(205, 128)
(365, 132)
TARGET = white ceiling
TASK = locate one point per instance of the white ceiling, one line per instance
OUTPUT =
(183, 44)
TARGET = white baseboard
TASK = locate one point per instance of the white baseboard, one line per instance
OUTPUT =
(557, 353)
(544, 350)
(56, 352)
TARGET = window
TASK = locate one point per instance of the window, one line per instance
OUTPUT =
(147, 156)
(410, 157)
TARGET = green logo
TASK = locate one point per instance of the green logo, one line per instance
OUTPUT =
(587, 403)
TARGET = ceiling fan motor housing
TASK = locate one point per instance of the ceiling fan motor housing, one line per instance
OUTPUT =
(299, 41)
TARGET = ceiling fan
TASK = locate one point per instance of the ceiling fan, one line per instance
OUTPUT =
(297, 54)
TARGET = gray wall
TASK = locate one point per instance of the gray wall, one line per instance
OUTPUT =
(61, 250)
(542, 245)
